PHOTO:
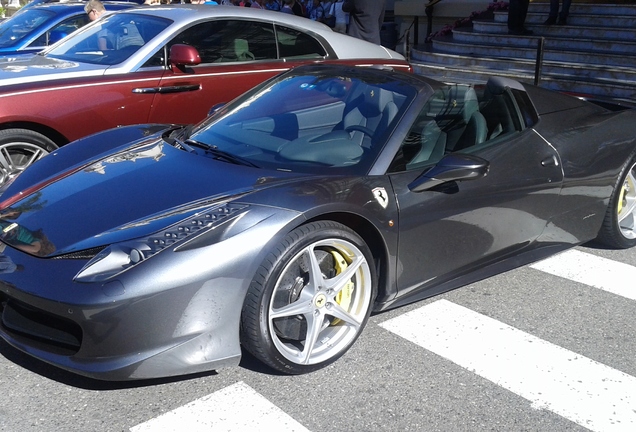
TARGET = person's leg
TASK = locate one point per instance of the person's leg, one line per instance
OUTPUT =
(554, 11)
(565, 11)
(514, 10)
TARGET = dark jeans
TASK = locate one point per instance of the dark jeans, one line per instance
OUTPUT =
(554, 9)
(517, 11)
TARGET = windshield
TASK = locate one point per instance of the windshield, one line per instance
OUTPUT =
(110, 40)
(22, 25)
(309, 122)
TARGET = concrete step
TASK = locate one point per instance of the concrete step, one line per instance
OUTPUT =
(565, 31)
(616, 10)
(447, 45)
(551, 68)
(467, 36)
(595, 53)
(534, 19)
(563, 84)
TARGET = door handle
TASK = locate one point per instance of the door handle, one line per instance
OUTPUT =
(168, 89)
(550, 161)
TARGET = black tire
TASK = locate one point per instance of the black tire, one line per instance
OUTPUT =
(619, 226)
(19, 148)
(335, 305)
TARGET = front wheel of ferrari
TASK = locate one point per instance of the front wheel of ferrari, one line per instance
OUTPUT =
(310, 299)
(619, 226)
(19, 148)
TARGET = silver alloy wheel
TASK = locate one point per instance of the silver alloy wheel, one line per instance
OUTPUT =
(626, 206)
(15, 157)
(332, 307)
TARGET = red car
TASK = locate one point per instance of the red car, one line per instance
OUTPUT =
(160, 64)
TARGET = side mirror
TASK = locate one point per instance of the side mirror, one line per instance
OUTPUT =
(216, 107)
(182, 55)
(454, 167)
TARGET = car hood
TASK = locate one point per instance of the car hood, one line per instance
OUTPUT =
(23, 69)
(128, 194)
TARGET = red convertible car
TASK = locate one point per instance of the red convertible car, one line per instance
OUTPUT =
(165, 64)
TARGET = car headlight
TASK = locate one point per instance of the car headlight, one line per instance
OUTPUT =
(120, 257)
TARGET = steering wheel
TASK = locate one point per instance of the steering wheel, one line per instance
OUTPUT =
(365, 130)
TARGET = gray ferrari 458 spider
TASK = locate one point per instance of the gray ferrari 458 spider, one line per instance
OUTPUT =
(279, 223)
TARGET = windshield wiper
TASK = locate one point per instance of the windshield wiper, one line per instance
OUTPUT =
(221, 154)
(188, 145)
(174, 141)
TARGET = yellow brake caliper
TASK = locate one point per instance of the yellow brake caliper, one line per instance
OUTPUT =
(621, 200)
(346, 293)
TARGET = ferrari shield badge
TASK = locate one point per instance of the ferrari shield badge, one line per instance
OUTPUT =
(381, 196)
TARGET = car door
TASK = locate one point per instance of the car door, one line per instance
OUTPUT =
(458, 226)
(235, 55)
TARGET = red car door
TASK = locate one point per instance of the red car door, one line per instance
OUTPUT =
(235, 55)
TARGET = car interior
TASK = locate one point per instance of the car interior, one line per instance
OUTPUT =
(458, 118)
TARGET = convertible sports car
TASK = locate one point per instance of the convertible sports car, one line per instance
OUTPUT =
(167, 64)
(36, 27)
(284, 219)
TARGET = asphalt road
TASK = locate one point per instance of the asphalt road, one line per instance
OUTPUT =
(527, 350)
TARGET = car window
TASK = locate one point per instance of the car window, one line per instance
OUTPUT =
(16, 28)
(110, 40)
(294, 44)
(60, 31)
(456, 118)
(309, 123)
(224, 41)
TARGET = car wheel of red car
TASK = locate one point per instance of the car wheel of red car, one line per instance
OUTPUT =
(19, 148)
(310, 298)
(619, 226)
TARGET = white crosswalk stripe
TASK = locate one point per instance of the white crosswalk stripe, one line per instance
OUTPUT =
(552, 378)
(592, 270)
(234, 408)
(584, 391)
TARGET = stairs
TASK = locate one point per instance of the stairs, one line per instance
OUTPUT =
(594, 54)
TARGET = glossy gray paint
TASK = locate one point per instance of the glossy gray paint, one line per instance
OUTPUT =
(547, 188)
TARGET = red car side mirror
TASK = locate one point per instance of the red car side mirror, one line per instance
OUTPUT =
(182, 55)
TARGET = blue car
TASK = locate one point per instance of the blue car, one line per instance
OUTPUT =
(33, 29)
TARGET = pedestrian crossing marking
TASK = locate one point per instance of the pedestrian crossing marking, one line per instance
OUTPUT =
(235, 408)
(582, 390)
(598, 272)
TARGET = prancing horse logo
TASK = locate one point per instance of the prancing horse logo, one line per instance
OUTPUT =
(320, 300)
(381, 196)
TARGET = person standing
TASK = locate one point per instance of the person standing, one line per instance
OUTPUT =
(287, 7)
(342, 18)
(554, 12)
(365, 18)
(517, 11)
(298, 8)
(94, 9)
(272, 5)
(315, 11)
(105, 39)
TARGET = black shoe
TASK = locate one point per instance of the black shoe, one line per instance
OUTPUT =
(550, 21)
(562, 21)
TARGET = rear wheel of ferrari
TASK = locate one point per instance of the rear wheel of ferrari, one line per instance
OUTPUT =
(619, 226)
(19, 148)
(310, 298)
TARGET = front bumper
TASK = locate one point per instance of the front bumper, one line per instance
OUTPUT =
(176, 313)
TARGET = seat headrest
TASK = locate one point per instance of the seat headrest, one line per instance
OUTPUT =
(375, 100)
(471, 104)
